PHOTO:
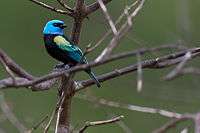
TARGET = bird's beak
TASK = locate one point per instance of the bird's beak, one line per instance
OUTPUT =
(63, 26)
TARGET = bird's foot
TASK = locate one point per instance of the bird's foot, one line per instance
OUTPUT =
(61, 66)
(66, 67)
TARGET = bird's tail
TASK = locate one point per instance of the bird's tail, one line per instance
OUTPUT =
(92, 76)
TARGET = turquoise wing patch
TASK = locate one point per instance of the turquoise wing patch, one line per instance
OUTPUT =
(74, 52)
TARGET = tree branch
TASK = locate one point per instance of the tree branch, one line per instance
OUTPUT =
(14, 67)
(97, 123)
(105, 35)
(152, 63)
(61, 2)
(108, 17)
(130, 107)
(172, 123)
(179, 67)
(10, 116)
(121, 33)
(8, 83)
(95, 6)
(52, 8)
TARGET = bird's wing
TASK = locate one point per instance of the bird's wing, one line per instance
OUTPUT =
(73, 51)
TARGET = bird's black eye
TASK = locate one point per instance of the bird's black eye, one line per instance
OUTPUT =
(57, 24)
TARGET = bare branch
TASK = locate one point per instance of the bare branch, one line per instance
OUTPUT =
(131, 107)
(38, 124)
(13, 66)
(105, 35)
(62, 3)
(95, 6)
(172, 123)
(123, 30)
(8, 82)
(97, 123)
(107, 16)
(152, 63)
(10, 116)
(9, 72)
(157, 63)
(59, 110)
(179, 67)
(58, 105)
(51, 8)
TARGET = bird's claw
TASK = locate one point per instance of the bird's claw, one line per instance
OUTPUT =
(61, 66)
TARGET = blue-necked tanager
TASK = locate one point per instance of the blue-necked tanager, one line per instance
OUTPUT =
(62, 49)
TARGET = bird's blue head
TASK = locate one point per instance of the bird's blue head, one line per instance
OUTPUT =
(54, 27)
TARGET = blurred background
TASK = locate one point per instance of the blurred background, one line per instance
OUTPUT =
(160, 22)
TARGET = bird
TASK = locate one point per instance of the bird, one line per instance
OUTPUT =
(62, 49)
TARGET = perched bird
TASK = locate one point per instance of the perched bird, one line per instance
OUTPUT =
(62, 49)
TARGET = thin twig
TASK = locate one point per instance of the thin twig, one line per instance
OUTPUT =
(9, 72)
(10, 116)
(59, 110)
(121, 33)
(50, 121)
(38, 124)
(51, 8)
(105, 35)
(108, 17)
(97, 123)
(59, 103)
(95, 6)
(172, 123)
(14, 66)
(179, 67)
(61, 2)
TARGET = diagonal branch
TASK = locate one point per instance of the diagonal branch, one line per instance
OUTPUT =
(97, 123)
(105, 35)
(9, 72)
(172, 123)
(13, 66)
(108, 17)
(10, 116)
(95, 6)
(52, 8)
(178, 68)
(121, 33)
(61, 2)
